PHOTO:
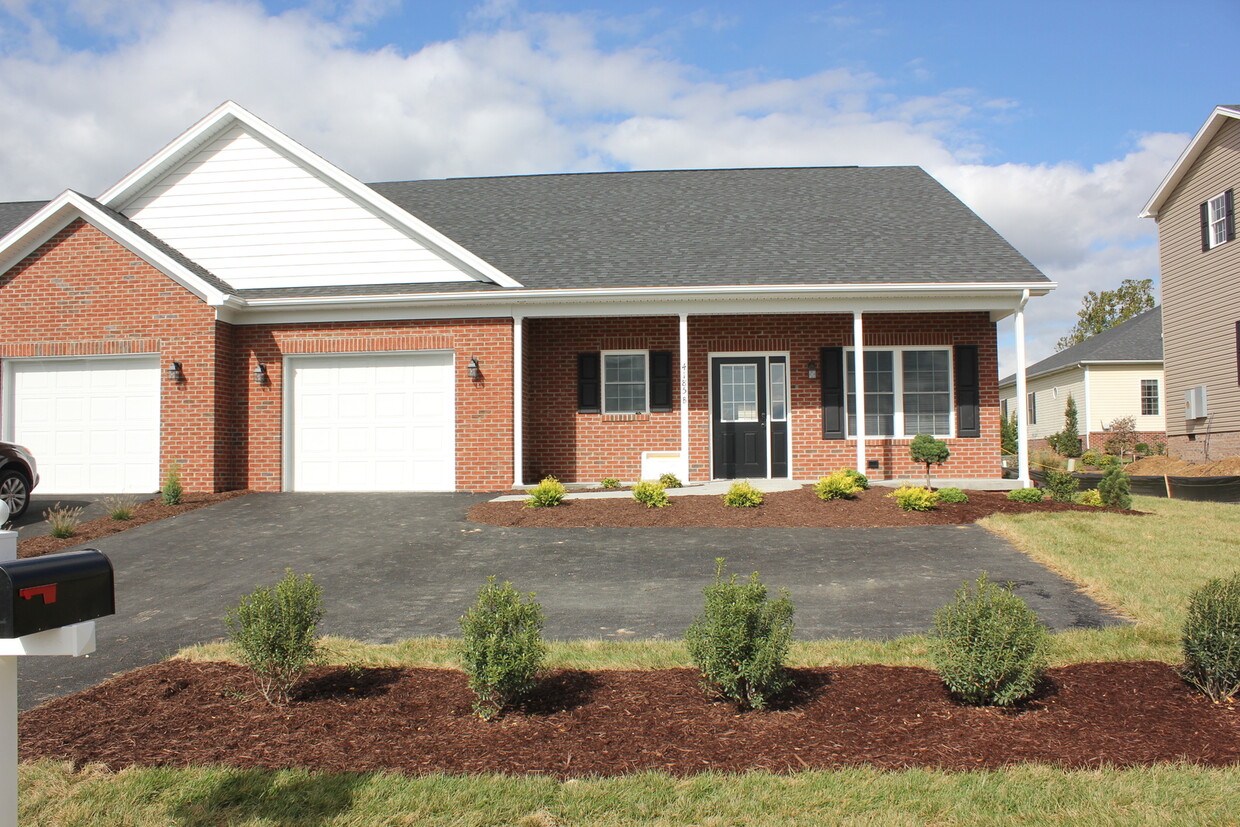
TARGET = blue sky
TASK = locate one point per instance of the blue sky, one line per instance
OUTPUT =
(1053, 120)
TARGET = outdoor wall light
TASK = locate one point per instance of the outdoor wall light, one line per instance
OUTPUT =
(260, 374)
(812, 369)
(175, 373)
(475, 369)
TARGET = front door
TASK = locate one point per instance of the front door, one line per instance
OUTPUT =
(739, 416)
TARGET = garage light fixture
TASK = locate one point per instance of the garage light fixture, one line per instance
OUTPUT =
(475, 369)
(175, 373)
(260, 374)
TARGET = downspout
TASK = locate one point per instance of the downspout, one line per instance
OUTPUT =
(1088, 421)
(1022, 421)
(518, 392)
(859, 387)
(683, 375)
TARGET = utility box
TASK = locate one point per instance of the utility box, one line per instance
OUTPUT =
(1196, 403)
(53, 591)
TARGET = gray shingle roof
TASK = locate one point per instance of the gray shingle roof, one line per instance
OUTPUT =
(1137, 340)
(15, 212)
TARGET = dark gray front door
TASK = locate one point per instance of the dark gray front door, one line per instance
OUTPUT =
(739, 416)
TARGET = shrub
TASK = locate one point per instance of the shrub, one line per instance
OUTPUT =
(1142, 449)
(914, 498)
(862, 481)
(1008, 434)
(952, 495)
(1061, 485)
(742, 495)
(1090, 497)
(928, 450)
(670, 480)
(1114, 488)
(1122, 436)
(62, 520)
(1068, 441)
(502, 647)
(121, 507)
(275, 630)
(1047, 459)
(1211, 639)
(1026, 495)
(171, 491)
(651, 494)
(988, 646)
(547, 494)
(1109, 461)
(1091, 458)
(740, 640)
(609, 482)
(837, 486)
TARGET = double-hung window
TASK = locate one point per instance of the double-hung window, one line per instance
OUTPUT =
(1217, 221)
(907, 392)
(1149, 397)
(625, 382)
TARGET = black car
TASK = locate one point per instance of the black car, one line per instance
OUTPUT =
(18, 477)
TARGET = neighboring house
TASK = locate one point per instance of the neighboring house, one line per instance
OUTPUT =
(240, 306)
(1113, 374)
(1199, 256)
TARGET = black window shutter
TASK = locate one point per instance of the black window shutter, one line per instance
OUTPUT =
(660, 380)
(1205, 227)
(588, 399)
(1231, 217)
(968, 392)
(831, 362)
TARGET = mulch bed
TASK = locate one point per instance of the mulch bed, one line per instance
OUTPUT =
(417, 721)
(146, 512)
(789, 509)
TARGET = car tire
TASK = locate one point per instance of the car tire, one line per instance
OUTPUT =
(15, 491)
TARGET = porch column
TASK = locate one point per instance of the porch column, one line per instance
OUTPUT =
(518, 388)
(1022, 421)
(859, 387)
(684, 391)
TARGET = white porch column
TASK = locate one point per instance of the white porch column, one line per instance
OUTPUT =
(518, 389)
(859, 387)
(1022, 421)
(684, 391)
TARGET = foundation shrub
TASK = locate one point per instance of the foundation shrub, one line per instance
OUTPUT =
(609, 482)
(1115, 488)
(988, 646)
(276, 632)
(838, 486)
(502, 647)
(171, 492)
(548, 493)
(1211, 639)
(914, 498)
(670, 480)
(651, 494)
(1091, 458)
(1061, 485)
(862, 481)
(62, 520)
(1090, 497)
(952, 495)
(742, 494)
(1026, 495)
(740, 640)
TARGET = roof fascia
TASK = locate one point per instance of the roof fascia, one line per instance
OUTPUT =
(230, 112)
(1180, 168)
(1085, 363)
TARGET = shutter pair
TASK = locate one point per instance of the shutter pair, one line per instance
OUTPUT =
(1228, 213)
(590, 382)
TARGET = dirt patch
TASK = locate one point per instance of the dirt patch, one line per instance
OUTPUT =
(1158, 466)
(418, 721)
(146, 512)
(788, 509)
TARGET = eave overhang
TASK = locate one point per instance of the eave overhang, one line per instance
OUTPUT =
(1179, 169)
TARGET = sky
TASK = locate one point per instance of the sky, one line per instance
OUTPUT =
(1054, 121)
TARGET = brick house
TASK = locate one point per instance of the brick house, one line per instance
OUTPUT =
(240, 306)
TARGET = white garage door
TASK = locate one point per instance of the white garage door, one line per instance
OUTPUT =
(92, 424)
(373, 423)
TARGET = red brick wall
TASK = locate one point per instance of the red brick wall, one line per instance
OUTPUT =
(587, 447)
(1205, 447)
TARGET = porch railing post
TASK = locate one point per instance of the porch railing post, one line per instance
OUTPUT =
(518, 426)
(684, 391)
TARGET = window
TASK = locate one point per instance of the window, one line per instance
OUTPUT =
(1217, 222)
(1004, 408)
(624, 382)
(779, 391)
(1149, 397)
(907, 392)
(1031, 409)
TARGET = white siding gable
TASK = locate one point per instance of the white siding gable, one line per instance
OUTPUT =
(256, 217)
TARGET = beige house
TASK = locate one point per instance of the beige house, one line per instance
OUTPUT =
(1200, 260)
(1116, 373)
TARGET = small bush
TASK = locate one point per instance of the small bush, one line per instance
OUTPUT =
(502, 647)
(740, 640)
(862, 481)
(670, 480)
(1142, 449)
(62, 520)
(609, 482)
(1091, 458)
(988, 646)
(276, 632)
(838, 486)
(1026, 495)
(121, 507)
(929, 451)
(1109, 461)
(1061, 485)
(952, 495)
(915, 498)
(742, 495)
(1211, 639)
(651, 494)
(1090, 497)
(547, 494)
(171, 492)
(1114, 488)
(1046, 460)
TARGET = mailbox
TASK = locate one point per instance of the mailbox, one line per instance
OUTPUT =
(55, 590)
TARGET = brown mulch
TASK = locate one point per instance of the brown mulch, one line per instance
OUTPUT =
(1158, 466)
(785, 509)
(146, 512)
(417, 721)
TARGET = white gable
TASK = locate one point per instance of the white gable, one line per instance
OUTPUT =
(256, 217)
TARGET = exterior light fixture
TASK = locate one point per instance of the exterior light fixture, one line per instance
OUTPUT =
(474, 369)
(260, 374)
(812, 369)
(175, 373)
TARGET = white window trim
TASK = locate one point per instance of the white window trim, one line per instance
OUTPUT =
(1031, 408)
(1213, 221)
(897, 366)
(1158, 397)
(776, 359)
(602, 374)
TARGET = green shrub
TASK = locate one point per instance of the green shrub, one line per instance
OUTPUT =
(62, 520)
(1008, 435)
(1026, 495)
(1061, 485)
(121, 507)
(952, 495)
(547, 494)
(862, 481)
(670, 480)
(276, 632)
(838, 486)
(1114, 488)
(988, 646)
(742, 495)
(651, 494)
(502, 647)
(171, 492)
(740, 640)
(609, 482)
(1211, 639)
(930, 451)
(1142, 449)
(914, 498)
(1109, 461)
(1090, 497)
(1091, 458)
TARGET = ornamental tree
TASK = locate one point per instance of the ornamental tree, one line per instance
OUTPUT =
(925, 448)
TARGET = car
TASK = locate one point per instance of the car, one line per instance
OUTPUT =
(19, 474)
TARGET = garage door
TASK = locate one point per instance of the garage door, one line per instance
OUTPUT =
(92, 424)
(373, 423)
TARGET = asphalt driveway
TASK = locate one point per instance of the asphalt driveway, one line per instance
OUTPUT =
(400, 565)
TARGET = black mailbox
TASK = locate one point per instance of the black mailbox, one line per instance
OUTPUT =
(53, 591)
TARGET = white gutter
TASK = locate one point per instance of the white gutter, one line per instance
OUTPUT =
(1022, 422)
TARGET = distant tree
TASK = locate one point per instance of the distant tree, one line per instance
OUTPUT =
(1100, 311)
(1007, 434)
(1068, 441)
